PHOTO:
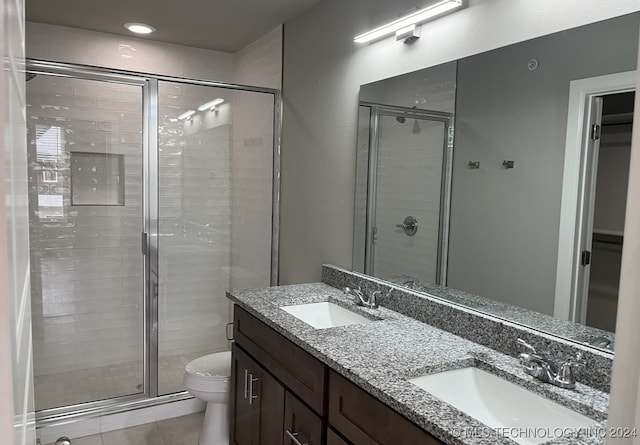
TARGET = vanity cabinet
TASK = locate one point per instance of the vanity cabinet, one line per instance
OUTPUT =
(278, 389)
(363, 420)
(300, 372)
(281, 394)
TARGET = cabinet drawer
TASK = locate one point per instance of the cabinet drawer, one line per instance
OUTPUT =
(296, 368)
(364, 420)
(301, 425)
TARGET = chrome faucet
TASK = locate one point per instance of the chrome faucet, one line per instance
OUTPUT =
(544, 369)
(602, 342)
(411, 284)
(361, 299)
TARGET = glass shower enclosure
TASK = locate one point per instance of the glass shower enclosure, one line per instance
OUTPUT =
(149, 197)
(404, 203)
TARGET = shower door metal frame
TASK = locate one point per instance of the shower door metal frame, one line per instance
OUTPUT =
(149, 83)
(376, 112)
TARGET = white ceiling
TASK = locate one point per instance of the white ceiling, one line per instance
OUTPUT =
(223, 25)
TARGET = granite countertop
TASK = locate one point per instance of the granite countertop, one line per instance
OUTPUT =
(379, 357)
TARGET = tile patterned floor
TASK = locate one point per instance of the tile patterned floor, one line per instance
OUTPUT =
(177, 431)
(86, 385)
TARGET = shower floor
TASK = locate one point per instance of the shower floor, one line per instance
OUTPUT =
(106, 382)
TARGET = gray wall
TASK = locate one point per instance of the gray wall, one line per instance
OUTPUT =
(433, 90)
(504, 222)
(323, 69)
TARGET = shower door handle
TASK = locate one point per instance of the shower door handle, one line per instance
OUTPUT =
(409, 225)
(145, 243)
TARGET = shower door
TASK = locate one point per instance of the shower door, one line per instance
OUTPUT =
(215, 157)
(409, 177)
(85, 166)
(149, 198)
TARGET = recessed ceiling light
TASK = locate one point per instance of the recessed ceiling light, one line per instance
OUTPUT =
(139, 28)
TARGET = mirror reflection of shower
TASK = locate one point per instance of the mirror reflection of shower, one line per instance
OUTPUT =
(409, 152)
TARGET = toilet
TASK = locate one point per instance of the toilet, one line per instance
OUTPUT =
(208, 378)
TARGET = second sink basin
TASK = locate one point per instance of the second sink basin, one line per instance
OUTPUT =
(503, 405)
(325, 315)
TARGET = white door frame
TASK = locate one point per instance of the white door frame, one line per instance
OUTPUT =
(574, 185)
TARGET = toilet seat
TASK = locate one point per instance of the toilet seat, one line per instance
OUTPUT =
(210, 373)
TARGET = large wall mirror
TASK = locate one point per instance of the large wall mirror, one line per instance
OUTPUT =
(499, 181)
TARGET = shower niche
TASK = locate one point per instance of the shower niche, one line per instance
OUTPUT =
(97, 179)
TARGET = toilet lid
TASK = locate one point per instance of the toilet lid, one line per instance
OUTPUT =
(212, 365)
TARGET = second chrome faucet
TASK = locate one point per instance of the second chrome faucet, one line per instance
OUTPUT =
(361, 299)
(544, 369)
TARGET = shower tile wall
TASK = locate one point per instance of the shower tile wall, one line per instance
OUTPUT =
(409, 176)
(252, 190)
(86, 262)
(258, 64)
(72, 45)
(195, 225)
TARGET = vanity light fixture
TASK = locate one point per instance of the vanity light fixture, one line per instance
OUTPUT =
(412, 19)
(139, 28)
(409, 34)
(211, 106)
(187, 115)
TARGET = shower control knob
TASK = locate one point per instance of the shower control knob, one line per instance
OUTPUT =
(409, 225)
(63, 441)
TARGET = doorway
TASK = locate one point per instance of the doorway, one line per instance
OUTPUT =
(595, 180)
(610, 172)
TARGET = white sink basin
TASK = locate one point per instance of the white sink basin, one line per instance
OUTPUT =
(515, 412)
(325, 315)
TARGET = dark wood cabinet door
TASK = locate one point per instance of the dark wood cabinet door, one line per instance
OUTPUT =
(364, 420)
(243, 419)
(269, 395)
(298, 370)
(257, 403)
(301, 424)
